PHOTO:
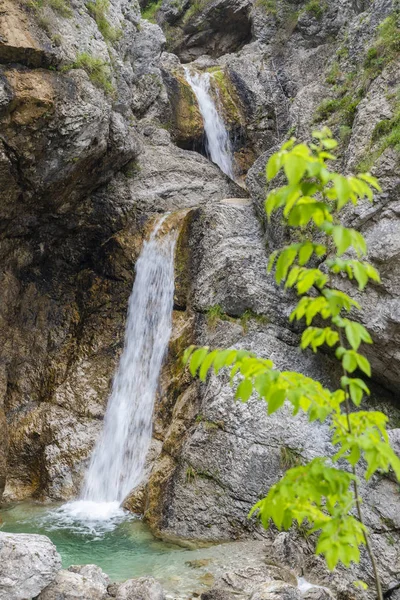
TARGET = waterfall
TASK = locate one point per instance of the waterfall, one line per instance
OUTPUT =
(218, 144)
(118, 460)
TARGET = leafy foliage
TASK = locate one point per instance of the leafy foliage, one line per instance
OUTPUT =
(318, 494)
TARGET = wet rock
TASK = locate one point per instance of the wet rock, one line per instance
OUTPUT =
(186, 124)
(75, 586)
(28, 563)
(144, 588)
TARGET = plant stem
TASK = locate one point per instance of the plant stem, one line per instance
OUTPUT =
(357, 499)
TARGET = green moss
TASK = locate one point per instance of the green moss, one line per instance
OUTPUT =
(97, 69)
(99, 10)
(225, 95)
(149, 13)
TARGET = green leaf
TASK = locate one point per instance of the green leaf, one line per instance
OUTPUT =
(342, 238)
(356, 393)
(207, 362)
(295, 167)
(363, 364)
(305, 253)
(285, 260)
(360, 273)
(271, 260)
(197, 358)
(273, 165)
(244, 390)
(349, 362)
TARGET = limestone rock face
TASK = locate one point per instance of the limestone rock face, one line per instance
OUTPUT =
(215, 28)
(28, 563)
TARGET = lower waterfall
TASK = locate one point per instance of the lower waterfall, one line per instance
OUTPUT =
(118, 460)
(219, 146)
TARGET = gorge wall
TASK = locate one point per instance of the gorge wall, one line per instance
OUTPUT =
(97, 131)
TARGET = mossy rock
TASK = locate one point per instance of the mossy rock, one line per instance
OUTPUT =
(226, 97)
(186, 125)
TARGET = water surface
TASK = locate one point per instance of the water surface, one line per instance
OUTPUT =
(128, 549)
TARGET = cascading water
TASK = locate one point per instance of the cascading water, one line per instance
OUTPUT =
(117, 463)
(219, 145)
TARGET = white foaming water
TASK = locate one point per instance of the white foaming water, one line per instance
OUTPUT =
(118, 460)
(218, 143)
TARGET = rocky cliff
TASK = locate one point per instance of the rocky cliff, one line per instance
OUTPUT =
(99, 133)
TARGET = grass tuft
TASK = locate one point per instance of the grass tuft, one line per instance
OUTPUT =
(149, 13)
(99, 10)
(97, 69)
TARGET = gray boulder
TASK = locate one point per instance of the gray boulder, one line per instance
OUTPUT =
(75, 586)
(28, 563)
(144, 588)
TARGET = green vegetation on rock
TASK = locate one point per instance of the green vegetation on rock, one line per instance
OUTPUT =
(315, 8)
(150, 11)
(351, 87)
(99, 11)
(270, 6)
(97, 69)
(61, 7)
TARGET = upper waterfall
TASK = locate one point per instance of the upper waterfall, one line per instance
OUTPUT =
(218, 144)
